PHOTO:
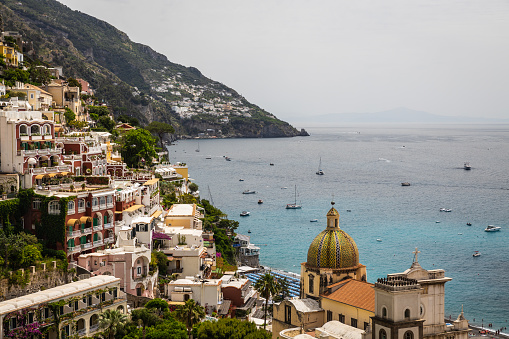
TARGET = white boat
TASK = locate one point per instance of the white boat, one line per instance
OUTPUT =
(445, 210)
(379, 240)
(294, 206)
(248, 192)
(467, 166)
(244, 213)
(476, 254)
(492, 228)
(320, 172)
(313, 220)
(197, 149)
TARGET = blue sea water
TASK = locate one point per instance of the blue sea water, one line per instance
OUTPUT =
(364, 167)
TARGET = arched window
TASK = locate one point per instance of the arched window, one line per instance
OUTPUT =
(70, 207)
(102, 201)
(35, 129)
(109, 199)
(408, 335)
(81, 204)
(23, 130)
(384, 312)
(94, 202)
(311, 285)
(382, 334)
(54, 207)
(46, 130)
(407, 313)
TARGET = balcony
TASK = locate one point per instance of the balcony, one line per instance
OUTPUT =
(93, 328)
(108, 226)
(98, 228)
(74, 234)
(86, 246)
(109, 240)
(98, 243)
(87, 230)
(73, 250)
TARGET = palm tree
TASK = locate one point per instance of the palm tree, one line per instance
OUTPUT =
(267, 287)
(111, 321)
(190, 314)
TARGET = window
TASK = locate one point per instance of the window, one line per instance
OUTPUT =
(13, 323)
(94, 202)
(288, 314)
(34, 129)
(382, 334)
(109, 199)
(70, 207)
(46, 312)
(310, 280)
(329, 315)
(88, 204)
(139, 269)
(23, 129)
(115, 293)
(76, 305)
(342, 318)
(421, 310)
(366, 325)
(353, 322)
(89, 300)
(81, 204)
(103, 297)
(102, 201)
(408, 335)
(54, 207)
(384, 312)
(407, 314)
(36, 204)
(30, 317)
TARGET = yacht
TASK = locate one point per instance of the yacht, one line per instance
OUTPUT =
(467, 166)
(248, 192)
(476, 254)
(260, 201)
(294, 206)
(313, 220)
(320, 172)
(492, 228)
(405, 184)
(244, 213)
(445, 210)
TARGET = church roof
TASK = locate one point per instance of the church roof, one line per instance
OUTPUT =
(352, 292)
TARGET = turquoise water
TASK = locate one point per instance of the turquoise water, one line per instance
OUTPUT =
(364, 168)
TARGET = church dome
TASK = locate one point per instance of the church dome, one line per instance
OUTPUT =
(333, 248)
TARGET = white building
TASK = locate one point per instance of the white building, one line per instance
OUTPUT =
(206, 293)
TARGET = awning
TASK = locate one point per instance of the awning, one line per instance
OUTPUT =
(156, 214)
(71, 222)
(85, 219)
(176, 302)
(39, 176)
(151, 182)
(133, 208)
(65, 173)
(51, 175)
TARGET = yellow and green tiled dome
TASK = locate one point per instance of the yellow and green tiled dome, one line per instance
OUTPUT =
(333, 248)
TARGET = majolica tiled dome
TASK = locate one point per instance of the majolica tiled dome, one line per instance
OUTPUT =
(333, 247)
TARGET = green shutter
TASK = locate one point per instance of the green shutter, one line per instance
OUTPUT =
(95, 237)
(84, 239)
(105, 219)
(95, 221)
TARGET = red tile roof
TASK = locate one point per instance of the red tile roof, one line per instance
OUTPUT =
(355, 293)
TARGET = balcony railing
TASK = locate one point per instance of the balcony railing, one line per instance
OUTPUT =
(75, 249)
(98, 228)
(98, 243)
(87, 230)
(73, 234)
(108, 226)
(93, 328)
(109, 240)
(86, 246)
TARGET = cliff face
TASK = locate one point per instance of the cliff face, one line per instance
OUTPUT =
(133, 78)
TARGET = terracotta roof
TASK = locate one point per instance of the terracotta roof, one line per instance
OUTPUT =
(354, 293)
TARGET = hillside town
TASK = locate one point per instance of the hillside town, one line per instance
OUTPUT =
(101, 236)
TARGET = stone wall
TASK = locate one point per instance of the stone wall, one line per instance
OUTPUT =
(40, 279)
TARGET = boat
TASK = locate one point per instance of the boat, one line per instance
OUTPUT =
(492, 228)
(445, 210)
(244, 213)
(313, 220)
(469, 224)
(248, 192)
(271, 164)
(208, 158)
(260, 201)
(227, 159)
(349, 210)
(405, 184)
(197, 149)
(294, 206)
(241, 179)
(437, 222)
(320, 172)
(476, 254)
(467, 166)
(249, 231)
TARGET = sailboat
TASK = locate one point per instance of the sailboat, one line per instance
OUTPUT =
(320, 172)
(198, 149)
(294, 206)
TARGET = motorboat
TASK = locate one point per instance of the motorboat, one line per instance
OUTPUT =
(294, 206)
(244, 213)
(249, 231)
(445, 210)
(320, 172)
(469, 224)
(272, 164)
(476, 254)
(248, 192)
(437, 222)
(492, 228)
(241, 179)
(208, 158)
(467, 166)
(405, 184)
(379, 240)
(313, 220)
(227, 159)
(260, 201)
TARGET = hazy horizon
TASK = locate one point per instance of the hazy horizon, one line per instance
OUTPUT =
(298, 59)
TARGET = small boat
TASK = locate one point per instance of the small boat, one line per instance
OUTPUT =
(248, 192)
(283, 188)
(227, 159)
(405, 184)
(208, 158)
(313, 220)
(467, 166)
(445, 210)
(379, 240)
(244, 213)
(294, 206)
(437, 222)
(249, 231)
(469, 224)
(198, 149)
(492, 228)
(260, 201)
(349, 210)
(476, 254)
(272, 164)
(241, 179)
(320, 172)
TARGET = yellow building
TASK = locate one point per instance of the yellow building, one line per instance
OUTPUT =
(11, 57)
(184, 215)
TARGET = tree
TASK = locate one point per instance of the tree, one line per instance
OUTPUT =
(136, 145)
(161, 260)
(283, 290)
(99, 110)
(160, 128)
(73, 83)
(190, 314)
(193, 187)
(267, 287)
(145, 317)
(158, 304)
(230, 329)
(69, 115)
(105, 122)
(111, 321)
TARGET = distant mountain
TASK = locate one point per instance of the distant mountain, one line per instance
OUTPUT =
(133, 78)
(399, 115)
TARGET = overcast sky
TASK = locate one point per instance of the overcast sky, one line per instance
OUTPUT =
(299, 58)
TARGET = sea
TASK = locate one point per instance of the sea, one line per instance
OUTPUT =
(364, 167)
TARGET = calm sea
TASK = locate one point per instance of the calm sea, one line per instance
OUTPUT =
(364, 168)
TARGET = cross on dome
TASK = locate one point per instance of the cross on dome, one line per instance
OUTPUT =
(416, 253)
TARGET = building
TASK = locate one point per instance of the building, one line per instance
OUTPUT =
(82, 303)
(304, 314)
(66, 96)
(206, 293)
(184, 215)
(247, 253)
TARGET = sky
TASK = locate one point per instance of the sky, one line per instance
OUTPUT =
(302, 58)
